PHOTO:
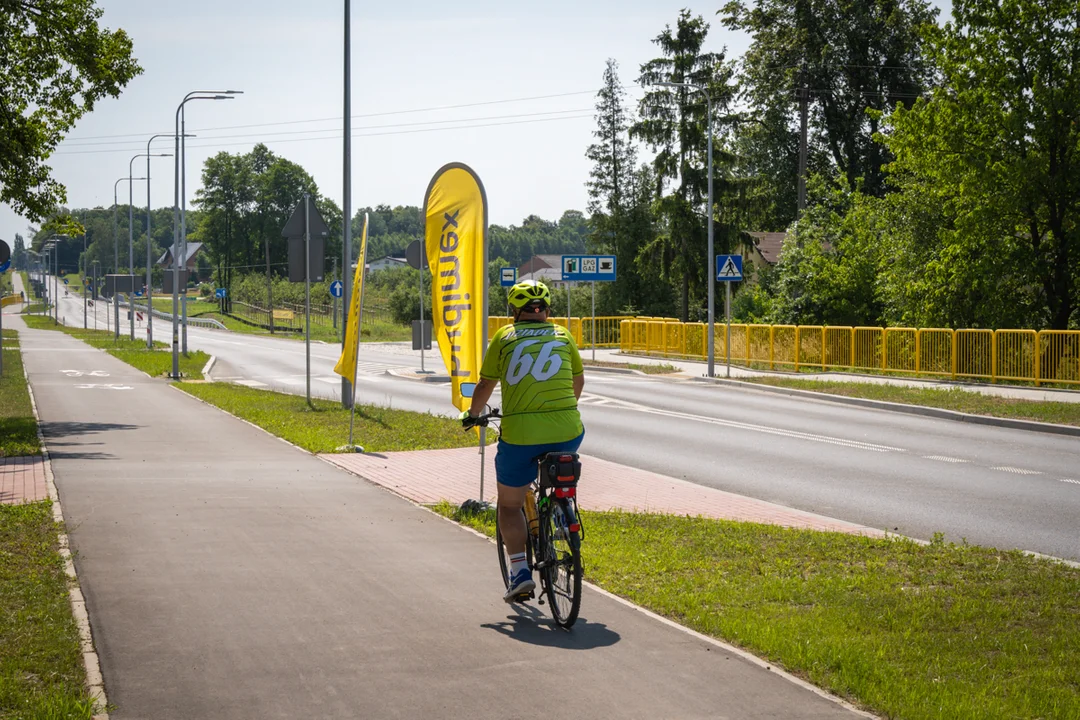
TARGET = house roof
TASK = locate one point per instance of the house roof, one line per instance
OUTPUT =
(769, 244)
(192, 249)
(539, 262)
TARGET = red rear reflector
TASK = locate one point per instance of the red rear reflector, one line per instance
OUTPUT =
(575, 528)
(565, 492)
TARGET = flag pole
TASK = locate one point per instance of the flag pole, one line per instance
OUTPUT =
(359, 329)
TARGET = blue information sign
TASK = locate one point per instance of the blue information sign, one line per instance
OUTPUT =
(729, 268)
(586, 268)
(507, 276)
(221, 292)
(337, 288)
(5, 265)
(66, 281)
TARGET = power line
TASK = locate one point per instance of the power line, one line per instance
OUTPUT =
(368, 127)
(338, 135)
(355, 117)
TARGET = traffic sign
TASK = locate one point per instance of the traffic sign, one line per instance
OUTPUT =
(729, 268)
(221, 292)
(337, 288)
(5, 265)
(508, 276)
(66, 281)
(415, 255)
(5, 255)
(586, 268)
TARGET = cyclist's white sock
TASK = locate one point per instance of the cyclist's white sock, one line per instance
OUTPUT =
(518, 563)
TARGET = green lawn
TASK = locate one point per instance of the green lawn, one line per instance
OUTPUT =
(75, 283)
(903, 629)
(326, 427)
(156, 363)
(1062, 413)
(18, 429)
(41, 665)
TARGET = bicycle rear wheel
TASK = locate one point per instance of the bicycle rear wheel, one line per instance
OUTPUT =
(561, 563)
(504, 556)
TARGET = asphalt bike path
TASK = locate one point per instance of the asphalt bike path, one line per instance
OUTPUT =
(230, 575)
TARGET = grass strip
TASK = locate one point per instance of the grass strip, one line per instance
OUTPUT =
(41, 665)
(156, 362)
(965, 401)
(906, 630)
(18, 428)
(647, 368)
(325, 426)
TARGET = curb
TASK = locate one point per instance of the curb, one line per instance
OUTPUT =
(616, 370)
(409, 375)
(95, 684)
(940, 413)
(208, 367)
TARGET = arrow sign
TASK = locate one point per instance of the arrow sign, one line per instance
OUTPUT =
(729, 268)
(221, 292)
(295, 227)
(337, 288)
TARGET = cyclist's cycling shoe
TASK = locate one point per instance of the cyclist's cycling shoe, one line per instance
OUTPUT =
(520, 584)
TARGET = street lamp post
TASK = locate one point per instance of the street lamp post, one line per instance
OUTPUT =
(131, 225)
(179, 232)
(84, 281)
(711, 252)
(116, 243)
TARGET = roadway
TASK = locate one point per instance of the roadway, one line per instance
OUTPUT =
(910, 474)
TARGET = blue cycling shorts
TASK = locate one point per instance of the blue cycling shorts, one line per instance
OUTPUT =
(515, 465)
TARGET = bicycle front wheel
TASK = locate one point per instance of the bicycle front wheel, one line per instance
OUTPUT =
(562, 564)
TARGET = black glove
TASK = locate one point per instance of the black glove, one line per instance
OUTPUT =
(468, 421)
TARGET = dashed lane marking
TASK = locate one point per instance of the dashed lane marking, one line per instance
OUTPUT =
(1069, 480)
(943, 458)
(1016, 470)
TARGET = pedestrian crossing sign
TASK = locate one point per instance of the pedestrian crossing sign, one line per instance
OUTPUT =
(729, 268)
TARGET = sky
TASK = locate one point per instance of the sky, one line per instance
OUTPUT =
(527, 72)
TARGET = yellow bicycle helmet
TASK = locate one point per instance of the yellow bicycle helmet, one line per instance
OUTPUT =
(529, 292)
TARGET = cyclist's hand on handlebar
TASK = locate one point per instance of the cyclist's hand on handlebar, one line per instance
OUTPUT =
(467, 420)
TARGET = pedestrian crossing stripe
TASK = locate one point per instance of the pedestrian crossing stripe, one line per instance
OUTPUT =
(729, 270)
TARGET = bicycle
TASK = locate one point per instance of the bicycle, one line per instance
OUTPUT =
(555, 532)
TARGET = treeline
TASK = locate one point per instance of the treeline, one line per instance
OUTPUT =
(943, 164)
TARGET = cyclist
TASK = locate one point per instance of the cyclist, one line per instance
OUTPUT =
(538, 365)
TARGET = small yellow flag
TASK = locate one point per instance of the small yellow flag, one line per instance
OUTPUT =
(346, 364)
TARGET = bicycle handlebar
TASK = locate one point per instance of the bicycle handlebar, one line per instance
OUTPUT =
(469, 423)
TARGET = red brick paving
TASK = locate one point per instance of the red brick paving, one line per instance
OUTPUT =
(428, 476)
(22, 479)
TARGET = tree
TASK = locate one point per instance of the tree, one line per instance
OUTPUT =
(849, 56)
(613, 155)
(56, 62)
(999, 143)
(673, 122)
(18, 253)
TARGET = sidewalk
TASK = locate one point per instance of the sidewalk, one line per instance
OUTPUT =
(22, 479)
(230, 575)
(428, 476)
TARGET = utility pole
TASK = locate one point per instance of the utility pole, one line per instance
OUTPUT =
(346, 200)
(804, 97)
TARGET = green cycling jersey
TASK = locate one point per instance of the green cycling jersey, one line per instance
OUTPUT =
(535, 362)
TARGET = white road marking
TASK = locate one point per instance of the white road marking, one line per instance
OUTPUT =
(80, 373)
(943, 458)
(1069, 480)
(104, 386)
(857, 444)
(250, 383)
(1015, 470)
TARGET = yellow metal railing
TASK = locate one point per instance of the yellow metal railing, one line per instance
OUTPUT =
(1041, 357)
(10, 300)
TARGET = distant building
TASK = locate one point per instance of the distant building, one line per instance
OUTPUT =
(542, 267)
(193, 249)
(387, 263)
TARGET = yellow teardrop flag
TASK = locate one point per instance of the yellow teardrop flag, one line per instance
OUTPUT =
(455, 229)
(346, 364)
